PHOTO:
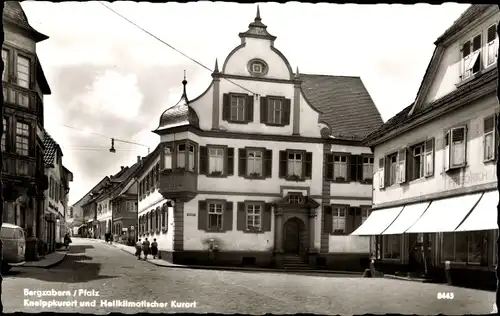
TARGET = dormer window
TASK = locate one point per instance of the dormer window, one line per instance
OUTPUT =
(471, 57)
(257, 67)
(492, 45)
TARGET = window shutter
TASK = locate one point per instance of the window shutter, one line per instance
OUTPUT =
(203, 160)
(249, 108)
(226, 100)
(349, 219)
(266, 217)
(402, 166)
(458, 135)
(429, 149)
(352, 168)
(227, 222)
(263, 110)
(268, 163)
(447, 151)
(357, 218)
(242, 162)
(381, 173)
(327, 222)
(286, 112)
(496, 143)
(308, 165)
(241, 216)
(492, 33)
(202, 215)
(230, 161)
(359, 169)
(329, 166)
(282, 164)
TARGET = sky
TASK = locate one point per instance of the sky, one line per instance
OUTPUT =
(110, 78)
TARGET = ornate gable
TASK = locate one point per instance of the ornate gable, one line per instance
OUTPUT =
(296, 199)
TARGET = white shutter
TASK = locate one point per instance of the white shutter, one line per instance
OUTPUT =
(458, 140)
(401, 166)
(381, 172)
(447, 152)
(429, 157)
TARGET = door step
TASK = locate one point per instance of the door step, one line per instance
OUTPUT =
(295, 262)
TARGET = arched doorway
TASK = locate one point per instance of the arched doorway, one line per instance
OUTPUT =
(294, 230)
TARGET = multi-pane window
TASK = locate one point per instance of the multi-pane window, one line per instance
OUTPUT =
(130, 206)
(167, 158)
(215, 211)
(465, 247)
(181, 156)
(492, 45)
(471, 56)
(23, 72)
(254, 213)
(254, 163)
(368, 168)
(191, 158)
(22, 138)
(340, 167)
(257, 68)
(237, 111)
(216, 160)
(418, 163)
(23, 99)
(4, 135)
(392, 246)
(489, 138)
(275, 111)
(393, 168)
(364, 215)
(294, 164)
(338, 219)
(455, 147)
(295, 199)
(5, 58)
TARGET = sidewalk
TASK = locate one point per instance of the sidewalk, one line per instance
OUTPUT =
(164, 263)
(48, 261)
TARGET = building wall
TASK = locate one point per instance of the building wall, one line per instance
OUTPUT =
(475, 173)
(448, 73)
(105, 215)
(15, 38)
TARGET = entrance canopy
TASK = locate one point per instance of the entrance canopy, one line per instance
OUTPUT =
(445, 215)
(410, 214)
(378, 221)
(483, 216)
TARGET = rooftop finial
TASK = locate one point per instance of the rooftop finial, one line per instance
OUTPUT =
(184, 83)
(216, 66)
(257, 17)
(297, 72)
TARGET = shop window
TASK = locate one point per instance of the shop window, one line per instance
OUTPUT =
(465, 247)
(392, 246)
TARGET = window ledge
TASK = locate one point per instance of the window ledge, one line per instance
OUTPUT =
(254, 177)
(489, 161)
(476, 75)
(215, 230)
(164, 230)
(238, 122)
(253, 231)
(339, 234)
(216, 175)
(275, 124)
(417, 180)
(295, 178)
(455, 169)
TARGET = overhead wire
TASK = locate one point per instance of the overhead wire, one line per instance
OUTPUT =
(106, 136)
(172, 47)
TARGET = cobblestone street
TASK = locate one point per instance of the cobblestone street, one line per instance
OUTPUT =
(116, 275)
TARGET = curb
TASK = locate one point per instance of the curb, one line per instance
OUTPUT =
(395, 277)
(222, 268)
(49, 265)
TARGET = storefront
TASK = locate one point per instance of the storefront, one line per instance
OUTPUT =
(421, 238)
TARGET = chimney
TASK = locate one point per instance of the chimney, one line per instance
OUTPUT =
(138, 158)
(122, 167)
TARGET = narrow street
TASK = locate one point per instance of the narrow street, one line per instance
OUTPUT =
(92, 266)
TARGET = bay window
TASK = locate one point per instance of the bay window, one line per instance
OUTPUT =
(23, 71)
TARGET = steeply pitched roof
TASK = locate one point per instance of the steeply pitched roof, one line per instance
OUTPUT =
(344, 103)
(51, 148)
(14, 13)
(96, 187)
(468, 16)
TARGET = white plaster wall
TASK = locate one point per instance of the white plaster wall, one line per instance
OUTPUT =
(477, 172)
(257, 48)
(449, 70)
(165, 240)
(229, 240)
(272, 185)
(349, 244)
(150, 201)
(105, 215)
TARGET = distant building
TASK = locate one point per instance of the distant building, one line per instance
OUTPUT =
(24, 85)
(56, 201)
(268, 168)
(435, 172)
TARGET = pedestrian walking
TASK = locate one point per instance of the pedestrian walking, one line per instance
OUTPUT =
(154, 248)
(67, 241)
(145, 248)
(138, 249)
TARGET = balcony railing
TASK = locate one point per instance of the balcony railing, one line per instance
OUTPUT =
(19, 167)
(178, 184)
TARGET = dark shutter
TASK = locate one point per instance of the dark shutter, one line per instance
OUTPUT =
(266, 217)
(263, 110)
(387, 171)
(409, 165)
(349, 219)
(352, 168)
(357, 218)
(308, 165)
(268, 163)
(286, 112)
(241, 216)
(359, 169)
(226, 100)
(329, 166)
(227, 222)
(249, 108)
(230, 161)
(242, 162)
(202, 215)
(327, 222)
(203, 160)
(283, 164)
